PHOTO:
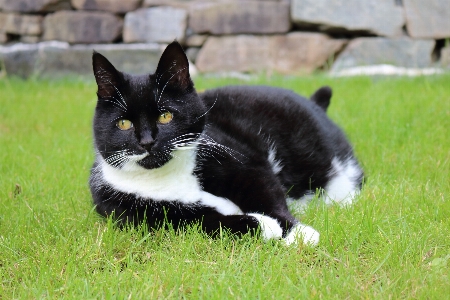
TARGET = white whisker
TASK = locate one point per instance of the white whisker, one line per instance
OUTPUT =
(162, 91)
(209, 108)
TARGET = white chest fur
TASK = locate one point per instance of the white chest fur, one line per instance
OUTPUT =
(174, 181)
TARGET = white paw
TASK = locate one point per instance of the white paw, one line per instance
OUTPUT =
(270, 228)
(304, 233)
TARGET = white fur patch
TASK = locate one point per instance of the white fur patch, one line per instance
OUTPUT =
(270, 228)
(174, 181)
(304, 233)
(343, 186)
(274, 163)
(221, 205)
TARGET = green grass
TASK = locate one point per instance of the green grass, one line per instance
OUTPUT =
(393, 243)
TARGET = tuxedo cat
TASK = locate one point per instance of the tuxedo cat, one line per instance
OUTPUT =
(227, 158)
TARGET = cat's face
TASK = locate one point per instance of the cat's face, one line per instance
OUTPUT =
(142, 119)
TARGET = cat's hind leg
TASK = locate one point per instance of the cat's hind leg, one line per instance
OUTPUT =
(345, 183)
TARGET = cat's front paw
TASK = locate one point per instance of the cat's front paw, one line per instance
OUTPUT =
(303, 233)
(270, 228)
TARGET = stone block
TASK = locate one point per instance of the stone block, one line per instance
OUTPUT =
(3, 37)
(158, 24)
(56, 59)
(29, 39)
(33, 6)
(77, 59)
(445, 57)
(380, 17)
(427, 19)
(294, 53)
(3, 20)
(240, 17)
(192, 53)
(183, 4)
(115, 6)
(402, 52)
(82, 27)
(18, 24)
(196, 40)
(19, 59)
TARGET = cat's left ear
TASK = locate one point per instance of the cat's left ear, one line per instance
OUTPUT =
(173, 68)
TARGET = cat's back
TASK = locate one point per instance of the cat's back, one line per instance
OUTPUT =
(275, 113)
(259, 104)
(252, 96)
(266, 107)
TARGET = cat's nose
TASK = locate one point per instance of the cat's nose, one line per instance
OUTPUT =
(147, 141)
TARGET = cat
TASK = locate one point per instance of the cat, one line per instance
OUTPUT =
(228, 158)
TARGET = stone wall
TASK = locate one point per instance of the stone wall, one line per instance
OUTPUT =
(55, 37)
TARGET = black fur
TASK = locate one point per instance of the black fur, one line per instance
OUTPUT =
(235, 128)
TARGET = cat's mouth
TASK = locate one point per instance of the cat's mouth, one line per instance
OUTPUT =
(138, 157)
(152, 160)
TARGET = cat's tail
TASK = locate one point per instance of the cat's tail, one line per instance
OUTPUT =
(322, 97)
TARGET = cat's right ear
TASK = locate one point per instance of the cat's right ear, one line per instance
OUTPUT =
(106, 75)
(173, 68)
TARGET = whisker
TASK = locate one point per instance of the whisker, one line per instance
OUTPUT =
(198, 118)
(117, 105)
(163, 108)
(122, 103)
(174, 100)
(217, 148)
(162, 91)
(195, 135)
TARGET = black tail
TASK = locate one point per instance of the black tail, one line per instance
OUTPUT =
(322, 97)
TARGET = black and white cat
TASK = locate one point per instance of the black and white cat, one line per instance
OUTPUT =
(227, 158)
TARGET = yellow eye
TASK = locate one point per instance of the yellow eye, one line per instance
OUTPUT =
(165, 117)
(124, 124)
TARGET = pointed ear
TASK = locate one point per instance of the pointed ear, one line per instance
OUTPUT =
(173, 68)
(106, 75)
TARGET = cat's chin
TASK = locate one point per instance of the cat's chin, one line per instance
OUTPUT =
(150, 163)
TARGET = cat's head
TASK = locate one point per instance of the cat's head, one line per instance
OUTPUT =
(144, 118)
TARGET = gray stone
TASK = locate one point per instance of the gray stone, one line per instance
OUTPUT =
(56, 59)
(3, 19)
(14, 23)
(183, 4)
(31, 6)
(402, 52)
(29, 39)
(82, 27)
(19, 59)
(196, 40)
(77, 59)
(294, 53)
(240, 17)
(192, 53)
(116, 6)
(380, 17)
(187, 4)
(427, 19)
(445, 57)
(3, 37)
(159, 24)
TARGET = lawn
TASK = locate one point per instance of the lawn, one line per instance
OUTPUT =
(393, 243)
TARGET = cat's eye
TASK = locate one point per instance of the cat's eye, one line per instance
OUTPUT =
(165, 117)
(124, 124)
